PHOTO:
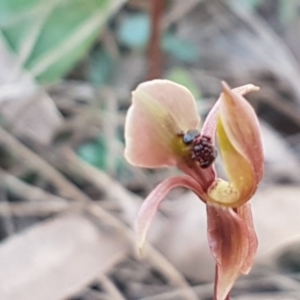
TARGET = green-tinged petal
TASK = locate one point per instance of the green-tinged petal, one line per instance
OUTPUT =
(242, 128)
(161, 110)
(229, 243)
(152, 202)
(241, 149)
(242, 182)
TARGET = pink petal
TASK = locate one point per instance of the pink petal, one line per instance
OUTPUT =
(229, 244)
(152, 202)
(160, 111)
(245, 89)
(242, 128)
(210, 123)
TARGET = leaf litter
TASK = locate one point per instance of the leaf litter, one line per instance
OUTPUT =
(66, 225)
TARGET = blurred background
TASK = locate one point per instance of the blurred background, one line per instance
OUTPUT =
(69, 198)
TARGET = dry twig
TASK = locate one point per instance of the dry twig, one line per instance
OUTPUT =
(71, 191)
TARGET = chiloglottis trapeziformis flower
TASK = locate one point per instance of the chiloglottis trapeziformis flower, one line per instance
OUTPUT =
(162, 129)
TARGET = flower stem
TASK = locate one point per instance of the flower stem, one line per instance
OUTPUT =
(215, 286)
(216, 282)
(227, 297)
(155, 55)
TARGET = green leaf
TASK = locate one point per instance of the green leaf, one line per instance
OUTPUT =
(94, 153)
(181, 76)
(179, 48)
(135, 30)
(288, 11)
(50, 36)
(250, 5)
(101, 67)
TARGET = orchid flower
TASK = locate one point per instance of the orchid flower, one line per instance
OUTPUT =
(162, 129)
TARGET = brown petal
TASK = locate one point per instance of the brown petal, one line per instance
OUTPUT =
(152, 202)
(229, 243)
(246, 214)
